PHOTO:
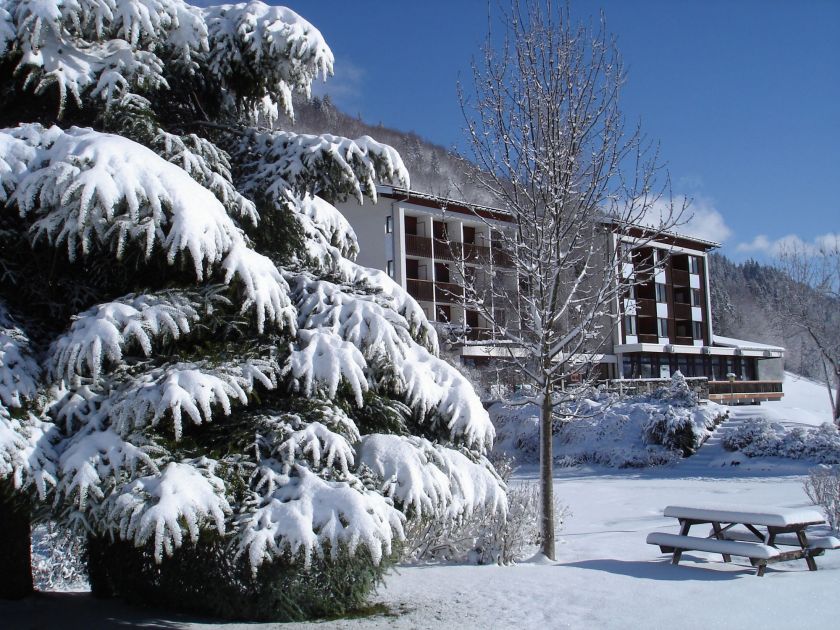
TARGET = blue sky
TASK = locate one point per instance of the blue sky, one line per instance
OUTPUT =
(744, 96)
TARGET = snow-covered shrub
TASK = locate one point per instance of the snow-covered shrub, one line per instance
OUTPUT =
(823, 488)
(485, 537)
(58, 559)
(758, 437)
(605, 429)
(188, 351)
(679, 393)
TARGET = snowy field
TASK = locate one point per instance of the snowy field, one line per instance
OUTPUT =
(605, 576)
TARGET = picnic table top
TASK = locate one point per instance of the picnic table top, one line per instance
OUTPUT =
(747, 514)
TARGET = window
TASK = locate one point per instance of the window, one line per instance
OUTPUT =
(662, 326)
(698, 330)
(695, 297)
(661, 293)
(630, 324)
(390, 268)
(693, 264)
(389, 224)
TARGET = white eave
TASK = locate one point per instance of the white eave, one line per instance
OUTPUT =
(750, 347)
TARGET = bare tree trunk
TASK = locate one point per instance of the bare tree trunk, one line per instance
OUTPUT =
(547, 476)
(836, 402)
(15, 552)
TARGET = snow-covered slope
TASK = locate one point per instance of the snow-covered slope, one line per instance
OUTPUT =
(805, 402)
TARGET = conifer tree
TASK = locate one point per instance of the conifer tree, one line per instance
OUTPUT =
(192, 367)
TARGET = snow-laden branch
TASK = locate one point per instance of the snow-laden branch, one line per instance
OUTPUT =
(92, 191)
(278, 162)
(209, 166)
(19, 372)
(317, 444)
(301, 514)
(183, 496)
(430, 479)
(271, 44)
(49, 36)
(379, 282)
(432, 385)
(92, 459)
(321, 360)
(370, 325)
(373, 327)
(104, 332)
(190, 389)
(27, 452)
(87, 189)
(265, 291)
(107, 48)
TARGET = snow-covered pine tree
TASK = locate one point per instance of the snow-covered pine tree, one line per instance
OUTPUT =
(192, 367)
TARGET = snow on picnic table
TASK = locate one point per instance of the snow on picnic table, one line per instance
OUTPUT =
(605, 576)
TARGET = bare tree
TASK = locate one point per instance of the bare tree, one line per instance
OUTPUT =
(809, 305)
(547, 132)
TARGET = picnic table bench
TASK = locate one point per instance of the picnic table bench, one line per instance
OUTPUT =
(759, 535)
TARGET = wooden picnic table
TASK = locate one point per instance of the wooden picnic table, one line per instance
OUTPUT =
(760, 534)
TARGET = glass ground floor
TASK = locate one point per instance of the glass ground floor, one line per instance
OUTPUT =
(713, 367)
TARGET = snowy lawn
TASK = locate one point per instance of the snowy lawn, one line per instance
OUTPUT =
(606, 576)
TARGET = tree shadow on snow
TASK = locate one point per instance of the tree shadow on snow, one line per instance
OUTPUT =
(691, 570)
(82, 610)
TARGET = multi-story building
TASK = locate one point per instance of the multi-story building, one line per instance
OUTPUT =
(430, 244)
(665, 325)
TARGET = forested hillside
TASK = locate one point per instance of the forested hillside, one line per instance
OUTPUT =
(433, 168)
(741, 294)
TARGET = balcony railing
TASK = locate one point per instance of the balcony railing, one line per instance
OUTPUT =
(427, 290)
(481, 254)
(418, 245)
(448, 292)
(645, 307)
(479, 334)
(447, 250)
(682, 311)
(744, 391)
(450, 250)
(421, 289)
(679, 278)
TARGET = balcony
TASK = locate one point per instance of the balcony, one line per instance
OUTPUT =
(682, 311)
(447, 250)
(480, 254)
(679, 278)
(421, 289)
(418, 245)
(684, 341)
(744, 392)
(479, 334)
(645, 307)
(427, 291)
(448, 292)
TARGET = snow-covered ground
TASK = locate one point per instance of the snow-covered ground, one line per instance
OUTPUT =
(605, 576)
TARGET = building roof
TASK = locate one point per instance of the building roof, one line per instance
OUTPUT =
(445, 203)
(741, 344)
(498, 214)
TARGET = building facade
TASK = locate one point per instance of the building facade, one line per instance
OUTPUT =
(433, 246)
